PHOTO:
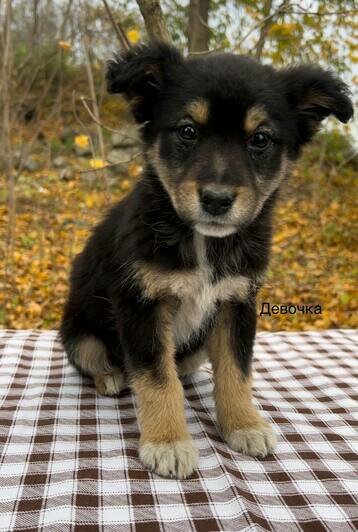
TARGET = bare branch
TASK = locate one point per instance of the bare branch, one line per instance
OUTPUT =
(95, 109)
(99, 122)
(82, 124)
(264, 28)
(117, 163)
(65, 19)
(279, 11)
(122, 37)
(302, 11)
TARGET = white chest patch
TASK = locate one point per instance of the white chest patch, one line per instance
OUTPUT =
(199, 297)
(194, 289)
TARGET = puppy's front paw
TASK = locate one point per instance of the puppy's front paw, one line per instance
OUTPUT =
(255, 441)
(175, 459)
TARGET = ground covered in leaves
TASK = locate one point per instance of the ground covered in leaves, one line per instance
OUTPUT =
(312, 260)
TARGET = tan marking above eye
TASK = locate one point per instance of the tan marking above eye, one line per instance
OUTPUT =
(255, 116)
(198, 110)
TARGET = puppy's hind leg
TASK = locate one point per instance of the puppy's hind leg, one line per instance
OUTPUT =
(110, 382)
(89, 355)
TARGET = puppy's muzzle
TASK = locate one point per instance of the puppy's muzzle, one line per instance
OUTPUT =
(216, 203)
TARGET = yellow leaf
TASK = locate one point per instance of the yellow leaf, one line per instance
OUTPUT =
(97, 163)
(34, 308)
(125, 185)
(91, 200)
(65, 46)
(284, 29)
(82, 141)
(133, 36)
(134, 169)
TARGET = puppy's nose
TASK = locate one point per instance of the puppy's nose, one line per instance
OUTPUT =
(216, 203)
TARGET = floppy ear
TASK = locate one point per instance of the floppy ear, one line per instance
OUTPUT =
(140, 73)
(314, 94)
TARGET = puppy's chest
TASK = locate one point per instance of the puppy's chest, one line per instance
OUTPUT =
(195, 306)
(197, 291)
(198, 297)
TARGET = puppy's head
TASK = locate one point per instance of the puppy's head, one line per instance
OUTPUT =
(222, 131)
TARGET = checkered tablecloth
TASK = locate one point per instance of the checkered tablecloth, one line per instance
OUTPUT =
(69, 456)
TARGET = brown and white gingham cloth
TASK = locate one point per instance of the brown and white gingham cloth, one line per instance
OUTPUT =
(69, 456)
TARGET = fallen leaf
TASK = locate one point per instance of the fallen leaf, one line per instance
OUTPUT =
(65, 46)
(82, 141)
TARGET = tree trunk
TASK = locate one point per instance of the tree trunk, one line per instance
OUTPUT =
(198, 29)
(6, 126)
(153, 19)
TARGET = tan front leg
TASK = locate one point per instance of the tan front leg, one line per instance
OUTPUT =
(242, 426)
(165, 446)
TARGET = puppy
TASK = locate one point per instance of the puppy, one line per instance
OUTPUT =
(170, 276)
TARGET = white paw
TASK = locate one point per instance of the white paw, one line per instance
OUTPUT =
(259, 441)
(175, 459)
(109, 383)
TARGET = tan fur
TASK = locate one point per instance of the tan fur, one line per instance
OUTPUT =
(165, 443)
(161, 401)
(184, 196)
(109, 383)
(198, 110)
(194, 295)
(247, 202)
(243, 204)
(162, 170)
(158, 283)
(91, 356)
(258, 441)
(219, 188)
(174, 459)
(160, 408)
(266, 189)
(233, 396)
(255, 116)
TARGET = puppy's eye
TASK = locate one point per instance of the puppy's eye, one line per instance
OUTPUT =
(187, 132)
(260, 140)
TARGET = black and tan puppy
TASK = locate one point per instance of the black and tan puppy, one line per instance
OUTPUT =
(170, 276)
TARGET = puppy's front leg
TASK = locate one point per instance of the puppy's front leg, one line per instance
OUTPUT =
(230, 351)
(165, 444)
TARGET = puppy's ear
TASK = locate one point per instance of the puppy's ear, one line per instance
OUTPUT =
(314, 94)
(140, 74)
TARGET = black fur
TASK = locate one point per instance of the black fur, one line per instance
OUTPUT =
(105, 300)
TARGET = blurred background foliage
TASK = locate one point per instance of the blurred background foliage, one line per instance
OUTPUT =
(68, 150)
